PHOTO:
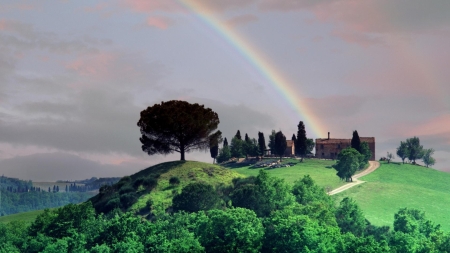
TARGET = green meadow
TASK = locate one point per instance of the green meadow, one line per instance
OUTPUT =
(395, 185)
(319, 170)
(26, 216)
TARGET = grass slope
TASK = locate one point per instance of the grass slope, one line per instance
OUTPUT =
(319, 170)
(26, 216)
(395, 185)
(161, 196)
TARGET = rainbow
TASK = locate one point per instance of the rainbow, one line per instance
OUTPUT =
(259, 62)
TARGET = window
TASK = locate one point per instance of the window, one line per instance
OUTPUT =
(339, 145)
(321, 146)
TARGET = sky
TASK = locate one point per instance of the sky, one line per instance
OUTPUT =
(75, 75)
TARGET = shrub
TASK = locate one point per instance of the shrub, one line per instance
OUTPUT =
(138, 182)
(174, 181)
(126, 189)
(195, 197)
(150, 183)
(128, 199)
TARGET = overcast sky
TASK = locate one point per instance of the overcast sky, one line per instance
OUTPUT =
(74, 75)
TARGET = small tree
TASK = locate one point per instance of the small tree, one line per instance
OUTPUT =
(365, 154)
(350, 217)
(347, 164)
(389, 157)
(246, 137)
(415, 150)
(176, 126)
(214, 140)
(356, 142)
(225, 142)
(195, 197)
(224, 154)
(300, 146)
(427, 159)
(272, 142)
(236, 147)
(261, 143)
(280, 144)
(402, 151)
(310, 146)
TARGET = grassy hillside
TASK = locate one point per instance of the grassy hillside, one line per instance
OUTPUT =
(394, 186)
(319, 170)
(134, 192)
(26, 216)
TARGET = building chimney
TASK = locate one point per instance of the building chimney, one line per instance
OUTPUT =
(328, 135)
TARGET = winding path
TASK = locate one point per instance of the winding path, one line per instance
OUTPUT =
(373, 165)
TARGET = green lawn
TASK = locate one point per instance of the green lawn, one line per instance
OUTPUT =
(26, 216)
(394, 186)
(319, 170)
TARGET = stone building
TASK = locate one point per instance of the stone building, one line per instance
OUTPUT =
(329, 148)
(290, 148)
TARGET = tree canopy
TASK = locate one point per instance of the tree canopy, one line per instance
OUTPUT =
(280, 144)
(176, 126)
(415, 150)
(348, 163)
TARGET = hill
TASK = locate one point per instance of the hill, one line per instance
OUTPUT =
(27, 217)
(319, 170)
(150, 190)
(395, 185)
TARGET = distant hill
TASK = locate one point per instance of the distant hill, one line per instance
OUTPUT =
(150, 190)
(395, 185)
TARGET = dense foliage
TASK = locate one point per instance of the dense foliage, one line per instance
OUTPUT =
(176, 126)
(275, 218)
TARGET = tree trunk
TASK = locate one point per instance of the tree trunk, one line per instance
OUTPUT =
(182, 153)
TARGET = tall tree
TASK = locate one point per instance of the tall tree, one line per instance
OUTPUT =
(225, 142)
(176, 126)
(356, 142)
(214, 140)
(238, 135)
(280, 144)
(272, 142)
(293, 138)
(402, 151)
(365, 154)
(301, 146)
(246, 137)
(350, 217)
(261, 143)
(415, 150)
(347, 164)
(427, 158)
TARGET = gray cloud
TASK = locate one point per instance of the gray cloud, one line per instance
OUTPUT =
(47, 167)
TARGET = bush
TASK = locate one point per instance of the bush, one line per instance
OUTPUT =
(195, 197)
(150, 183)
(128, 199)
(126, 189)
(174, 181)
(138, 182)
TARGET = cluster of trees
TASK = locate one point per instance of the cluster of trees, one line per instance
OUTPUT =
(12, 203)
(14, 184)
(353, 158)
(412, 150)
(256, 214)
(252, 147)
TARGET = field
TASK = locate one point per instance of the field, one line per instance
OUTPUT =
(319, 170)
(395, 185)
(26, 216)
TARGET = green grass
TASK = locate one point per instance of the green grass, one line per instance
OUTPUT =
(395, 185)
(187, 172)
(26, 216)
(319, 170)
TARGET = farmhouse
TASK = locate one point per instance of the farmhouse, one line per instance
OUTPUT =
(290, 148)
(328, 148)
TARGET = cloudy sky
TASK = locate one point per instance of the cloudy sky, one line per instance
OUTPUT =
(74, 75)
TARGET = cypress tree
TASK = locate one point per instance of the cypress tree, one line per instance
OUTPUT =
(356, 142)
(225, 142)
(246, 137)
(300, 146)
(261, 143)
(238, 135)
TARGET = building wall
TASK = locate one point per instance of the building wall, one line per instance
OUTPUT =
(330, 148)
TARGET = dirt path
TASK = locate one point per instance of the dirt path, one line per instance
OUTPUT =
(373, 165)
